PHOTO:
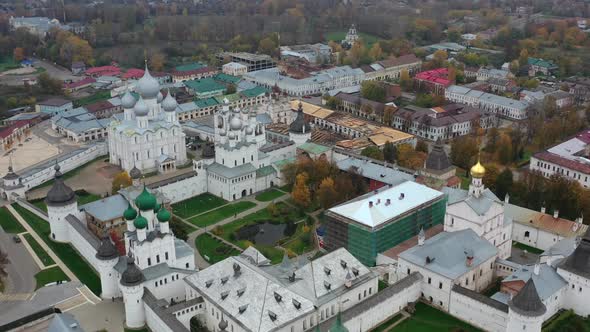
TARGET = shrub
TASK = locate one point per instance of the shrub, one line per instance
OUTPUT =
(217, 230)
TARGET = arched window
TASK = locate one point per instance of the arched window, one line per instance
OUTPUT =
(527, 234)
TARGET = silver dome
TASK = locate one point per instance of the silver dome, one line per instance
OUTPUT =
(147, 86)
(169, 104)
(249, 131)
(128, 101)
(160, 97)
(235, 123)
(222, 132)
(232, 136)
(141, 109)
(236, 110)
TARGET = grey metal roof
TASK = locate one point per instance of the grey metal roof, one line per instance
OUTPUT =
(564, 247)
(263, 118)
(579, 261)
(254, 256)
(299, 125)
(375, 171)
(527, 301)
(106, 209)
(481, 298)
(106, 250)
(447, 252)
(132, 276)
(233, 172)
(547, 282)
(60, 194)
(437, 158)
(480, 204)
(64, 322)
(167, 317)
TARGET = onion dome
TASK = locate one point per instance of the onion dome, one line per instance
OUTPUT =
(130, 213)
(157, 207)
(222, 132)
(140, 108)
(231, 135)
(163, 215)
(169, 104)
(147, 86)
(236, 110)
(300, 126)
(235, 123)
(135, 173)
(527, 301)
(478, 171)
(249, 131)
(11, 175)
(225, 101)
(140, 222)
(145, 201)
(60, 194)
(107, 250)
(222, 324)
(132, 275)
(159, 97)
(128, 101)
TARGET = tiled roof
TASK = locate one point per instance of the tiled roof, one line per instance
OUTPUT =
(7, 131)
(99, 106)
(437, 76)
(82, 82)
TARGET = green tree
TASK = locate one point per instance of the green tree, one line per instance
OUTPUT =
(231, 88)
(373, 90)
(422, 146)
(405, 80)
(372, 152)
(504, 183)
(463, 151)
(389, 152)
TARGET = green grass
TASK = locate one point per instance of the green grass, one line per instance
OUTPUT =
(382, 285)
(39, 251)
(83, 197)
(298, 243)
(101, 95)
(214, 216)
(383, 327)
(530, 249)
(213, 248)
(197, 205)
(287, 188)
(567, 321)
(9, 223)
(338, 36)
(8, 63)
(50, 275)
(427, 319)
(269, 195)
(64, 251)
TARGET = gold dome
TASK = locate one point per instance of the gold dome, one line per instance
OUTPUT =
(478, 171)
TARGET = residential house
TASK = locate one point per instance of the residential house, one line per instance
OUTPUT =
(53, 106)
(541, 67)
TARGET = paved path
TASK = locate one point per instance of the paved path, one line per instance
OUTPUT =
(42, 243)
(53, 70)
(21, 268)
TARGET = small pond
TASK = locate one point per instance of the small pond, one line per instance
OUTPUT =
(264, 233)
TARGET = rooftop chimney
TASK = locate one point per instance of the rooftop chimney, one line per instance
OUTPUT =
(387, 202)
(378, 200)
(542, 209)
(370, 204)
(401, 196)
(506, 198)
(556, 213)
(537, 269)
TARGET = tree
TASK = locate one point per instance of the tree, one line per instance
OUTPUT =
(121, 180)
(267, 46)
(326, 193)
(463, 151)
(3, 262)
(489, 178)
(439, 58)
(231, 88)
(421, 146)
(504, 183)
(300, 194)
(18, 54)
(452, 75)
(49, 85)
(408, 157)
(405, 80)
(523, 58)
(390, 152)
(505, 154)
(157, 62)
(376, 53)
(514, 67)
(373, 90)
(372, 152)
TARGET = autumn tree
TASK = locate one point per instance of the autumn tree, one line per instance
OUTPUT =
(157, 61)
(301, 194)
(504, 182)
(390, 152)
(408, 157)
(463, 151)
(373, 90)
(267, 46)
(372, 152)
(421, 146)
(405, 80)
(376, 53)
(120, 181)
(18, 54)
(489, 178)
(326, 193)
(523, 58)
(439, 58)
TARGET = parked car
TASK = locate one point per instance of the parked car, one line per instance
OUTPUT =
(16, 239)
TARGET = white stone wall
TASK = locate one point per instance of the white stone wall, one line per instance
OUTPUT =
(534, 237)
(150, 253)
(477, 313)
(186, 188)
(154, 322)
(134, 306)
(168, 287)
(577, 293)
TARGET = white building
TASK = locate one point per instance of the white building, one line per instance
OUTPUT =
(501, 106)
(313, 53)
(351, 37)
(148, 134)
(234, 68)
(481, 211)
(39, 26)
(79, 125)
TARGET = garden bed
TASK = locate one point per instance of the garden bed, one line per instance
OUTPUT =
(269, 195)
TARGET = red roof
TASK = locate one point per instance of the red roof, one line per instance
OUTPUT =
(7, 131)
(82, 82)
(436, 76)
(133, 73)
(103, 71)
(567, 163)
(99, 106)
(584, 136)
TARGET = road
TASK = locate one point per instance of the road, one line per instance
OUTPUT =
(54, 71)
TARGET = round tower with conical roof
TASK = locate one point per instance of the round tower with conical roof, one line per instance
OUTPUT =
(525, 310)
(61, 202)
(12, 184)
(300, 130)
(107, 257)
(131, 285)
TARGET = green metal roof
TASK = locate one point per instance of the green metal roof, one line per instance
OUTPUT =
(207, 102)
(190, 66)
(255, 92)
(284, 162)
(204, 85)
(541, 63)
(264, 171)
(313, 148)
(225, 78)
(231, 98)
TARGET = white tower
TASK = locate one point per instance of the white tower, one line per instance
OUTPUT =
(526, 310)
(107, 257)
(476, 187)
(61, 202)
(300, 130)
(132, 288)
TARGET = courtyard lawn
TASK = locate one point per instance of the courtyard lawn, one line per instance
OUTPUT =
(83, 197)
(215, 216)
(50, 275)
(269, 195)
(214, 249)
(64, 251)
(530, 249)
(567, 321)
(8, 223)
(384, 326)
(427, 319)
(197, 205)
(39, 251)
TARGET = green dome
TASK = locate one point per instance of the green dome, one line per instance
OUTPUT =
(163, 215)
(146, 201)
(130, 213)
(140, 222)
(157, 207)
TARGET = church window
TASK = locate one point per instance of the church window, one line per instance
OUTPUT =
(135, 139)
(157, 258)
(251, 157)
(149, 261)
(235, 163)
(452, 221)
(440, 285)
(174, 148)
(162, 150)
(408, 270)
(429, 280)
(370, 290)
(580, 289)
(243, 160)
(527, 234)
(165, 280)
(148, 153)
(166, 255)
(187, 265)
(156, 284)
(365, 293)
(466, 281)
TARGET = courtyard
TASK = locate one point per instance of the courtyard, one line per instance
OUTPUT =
(30, 151)
(427, 319)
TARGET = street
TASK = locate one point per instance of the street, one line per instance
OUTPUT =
(54, 71)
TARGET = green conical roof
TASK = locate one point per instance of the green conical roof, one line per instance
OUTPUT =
(164, 215)
(338, 326)
(140, 222)
(146, 201)
(130, 213)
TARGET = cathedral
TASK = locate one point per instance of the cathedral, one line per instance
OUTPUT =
(147, 135)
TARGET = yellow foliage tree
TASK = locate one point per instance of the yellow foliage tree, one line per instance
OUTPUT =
(327, 194)
(121, 180)
(301, 194)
